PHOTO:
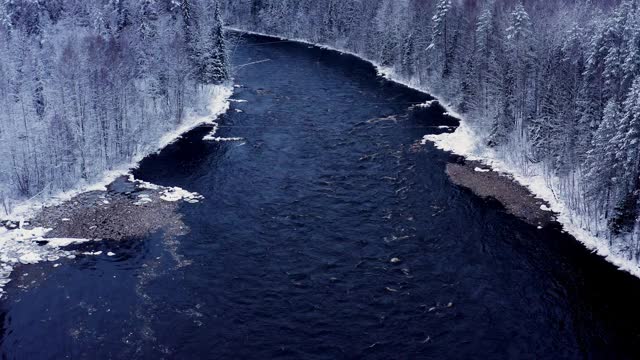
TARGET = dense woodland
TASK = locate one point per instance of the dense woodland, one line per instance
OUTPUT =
(552, 86)
(86, 86)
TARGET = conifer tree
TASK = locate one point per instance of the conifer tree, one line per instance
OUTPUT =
(215, 68)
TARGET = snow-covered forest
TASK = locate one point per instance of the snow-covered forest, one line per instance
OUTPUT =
(551, 87)
(87, 86)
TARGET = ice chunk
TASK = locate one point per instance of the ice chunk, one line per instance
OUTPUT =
(28, 246)
(92, 253)
(30, 258)
(61, 242)
(176, 194)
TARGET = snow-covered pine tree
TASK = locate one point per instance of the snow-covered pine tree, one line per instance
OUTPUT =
(627, 163)
(331, 21)
(468, 87)
(408, 59)
(487, 59)
(631, 47)
(441, 34)
(5, 16)
(485, 27)
(10, 10)
(120, 15)
(544, 131)
(612, 73)
(600, 174)
(520, 27)
(612, 48)
(147, 16)
(214, 62)
(348, 11)
(37, 93)
(504, 121)
(629, 137)
(191, 31)
(519, 35)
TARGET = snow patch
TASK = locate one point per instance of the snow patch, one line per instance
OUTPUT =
(142, 184)
(62, 242)
(176, 194)
(30, 258)
(427, 104)
(92, 253)
(28, 246)
(477, 169)
(222, 139)
(167, 193)
(461, 142)
(142, 200)
(212, 135)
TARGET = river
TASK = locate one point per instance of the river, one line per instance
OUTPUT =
(327, 232)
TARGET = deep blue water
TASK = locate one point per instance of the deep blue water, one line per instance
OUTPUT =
(291, 249)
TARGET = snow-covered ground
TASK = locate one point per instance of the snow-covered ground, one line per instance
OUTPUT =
(212, 134)
(22, 246)
(168, 193)
(464, 141)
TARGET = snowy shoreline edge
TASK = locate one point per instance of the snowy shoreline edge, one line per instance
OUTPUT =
(23, 245)
(217, 105)
(462, 142)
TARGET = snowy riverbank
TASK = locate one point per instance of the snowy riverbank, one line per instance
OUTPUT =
(217, 104)
(28, 242)
(465, 142)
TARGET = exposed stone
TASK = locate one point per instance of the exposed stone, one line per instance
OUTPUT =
(516, 199)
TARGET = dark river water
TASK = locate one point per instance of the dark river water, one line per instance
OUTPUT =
(291, 251)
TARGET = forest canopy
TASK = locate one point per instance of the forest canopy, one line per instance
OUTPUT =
(86, 86)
